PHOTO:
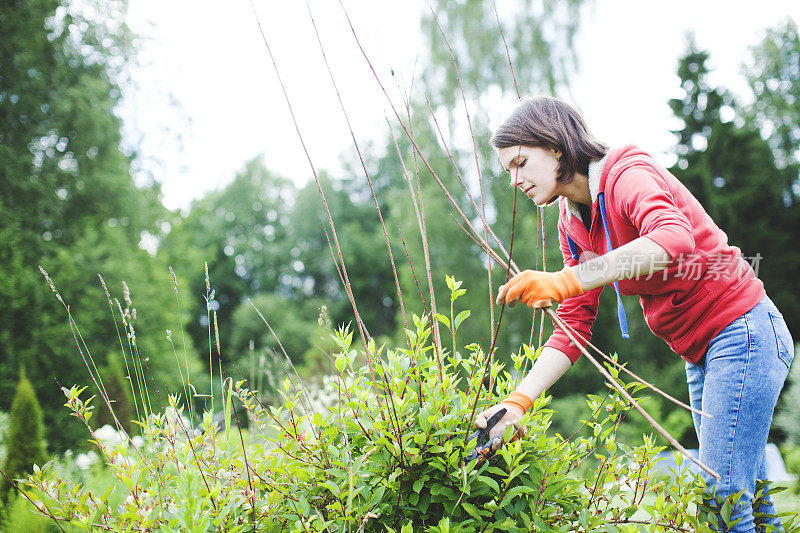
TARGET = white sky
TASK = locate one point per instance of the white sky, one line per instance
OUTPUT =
(211, 61)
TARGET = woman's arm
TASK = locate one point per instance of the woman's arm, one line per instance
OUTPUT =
(548, 368)
(639, 257)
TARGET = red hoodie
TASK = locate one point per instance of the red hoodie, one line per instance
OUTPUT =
(707, 284)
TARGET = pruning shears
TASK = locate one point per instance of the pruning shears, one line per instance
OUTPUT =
(483, 450)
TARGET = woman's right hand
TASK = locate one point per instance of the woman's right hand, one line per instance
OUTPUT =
(511, 418)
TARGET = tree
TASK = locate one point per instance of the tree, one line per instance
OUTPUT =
(774, 77)
(69, 202)
(25, 440)
(733, 172)
(241, 232)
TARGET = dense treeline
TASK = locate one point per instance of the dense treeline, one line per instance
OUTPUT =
(70, 204)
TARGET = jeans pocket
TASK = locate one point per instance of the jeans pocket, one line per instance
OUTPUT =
(783, 337)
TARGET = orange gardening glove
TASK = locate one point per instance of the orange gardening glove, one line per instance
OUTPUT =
(540, 289)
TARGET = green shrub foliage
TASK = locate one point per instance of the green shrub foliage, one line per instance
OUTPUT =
(379, 448)
(25, 438)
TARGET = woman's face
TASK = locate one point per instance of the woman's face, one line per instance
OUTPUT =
(533, 170)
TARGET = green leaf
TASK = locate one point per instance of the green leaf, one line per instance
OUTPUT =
(305, 508)
(520, 489)
(775, 489)
(471, 509)
(491, 482)
(517, 471)
(583, 519)
(463, 315)
(726, 511)
(422, 418)
(331, 486)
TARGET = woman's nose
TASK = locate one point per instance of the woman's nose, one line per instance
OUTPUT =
(516, 178)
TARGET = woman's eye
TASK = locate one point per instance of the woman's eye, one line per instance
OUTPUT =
(522, 163)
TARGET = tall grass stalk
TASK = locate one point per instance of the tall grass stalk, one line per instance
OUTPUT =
(184, 381)
(93, 375)
(83, 349)
(363, 167)
(477, 167)
(209, 298)
(141, 383)
(122, 348)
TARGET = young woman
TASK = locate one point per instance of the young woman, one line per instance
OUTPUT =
(625, 220)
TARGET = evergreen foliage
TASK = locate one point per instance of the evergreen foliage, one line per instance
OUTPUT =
(774, 77)
(25, 440)
(727, 165)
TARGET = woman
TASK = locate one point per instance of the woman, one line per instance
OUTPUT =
(623, 218)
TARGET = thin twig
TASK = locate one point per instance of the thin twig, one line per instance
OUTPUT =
(491, 253)
(247, 466)
(642, 381)
(363, 166)
(347, 286)
(313, 170)
(25, 494)
(482, 211)
(302, 389)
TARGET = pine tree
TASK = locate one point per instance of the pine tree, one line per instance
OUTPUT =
(25, 439)
(724, 161)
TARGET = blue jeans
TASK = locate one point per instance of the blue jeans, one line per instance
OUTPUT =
(738, 381)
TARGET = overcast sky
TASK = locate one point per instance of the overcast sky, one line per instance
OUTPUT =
(207, 100)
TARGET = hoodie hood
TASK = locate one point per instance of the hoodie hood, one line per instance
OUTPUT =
(595, 173)
(599, 170)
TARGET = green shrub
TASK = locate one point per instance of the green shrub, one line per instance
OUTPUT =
(25, 438)
(384, 453)
(791, 457)
(19, 515)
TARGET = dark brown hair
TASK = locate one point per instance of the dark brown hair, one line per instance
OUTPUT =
(552, 123)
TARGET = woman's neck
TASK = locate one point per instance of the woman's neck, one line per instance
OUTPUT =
(578, 189)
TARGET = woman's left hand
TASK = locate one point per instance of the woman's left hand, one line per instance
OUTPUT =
(540, 289)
